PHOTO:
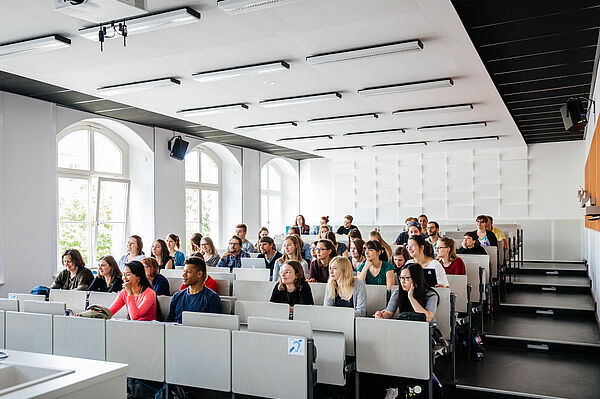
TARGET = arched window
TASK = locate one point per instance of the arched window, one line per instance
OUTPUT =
(202, 195)
(270, 198)
(93, 191)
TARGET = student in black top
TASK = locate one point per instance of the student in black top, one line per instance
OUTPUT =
(109, 276)
(345, 229)
(292, 287)
(486, 237)
(266, 247)
(403, 237)
(160, 252)
(471, 245)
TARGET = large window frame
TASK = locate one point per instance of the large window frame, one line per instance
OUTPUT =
(95, 179)
(205, 187)
(271, 198)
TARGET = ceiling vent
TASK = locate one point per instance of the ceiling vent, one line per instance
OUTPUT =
(99, 11)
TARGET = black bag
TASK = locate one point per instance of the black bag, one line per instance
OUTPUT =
(477, 347)
(412, 316)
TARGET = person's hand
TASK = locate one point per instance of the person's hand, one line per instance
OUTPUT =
(464, 244)
(379, 314)
(127, 287)
(227, 253)
(411, 291)
(311, 280)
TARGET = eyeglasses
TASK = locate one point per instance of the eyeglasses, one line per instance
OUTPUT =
(320, 249)
(404, 278)
(443, 247)
(233, 243)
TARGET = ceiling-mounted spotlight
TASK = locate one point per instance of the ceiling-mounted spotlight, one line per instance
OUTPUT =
(404, 87)
(342, 118)
(242, 6)
(302, 138)
(254, 69)
(363, 52)
(311, 98)
(137, 86)
(46, 43)
(217, 109)
(453, 126)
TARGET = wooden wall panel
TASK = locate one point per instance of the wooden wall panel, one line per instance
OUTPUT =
(592, 175)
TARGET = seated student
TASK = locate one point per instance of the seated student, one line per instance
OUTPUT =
(357, 253)
(486, 237)
(209, 282)
(376, 236)
(347, 226)
(322, 222)
(343, 289)
(209, 252)
(262, 232)
(353, 235)
(401, 257)
(137, 294)
(499, 233)
(422, 253)
(471, 245)
(291, 251)
(134, 251)
(233, 257)
(301, 224)
(376, 269)
(323, 230)
(423, 221)
(109, 276)
(174, 246)
(433, 234)
(197, 297)
(413, 295)
(446, 252)
(195, 242)
(241, 230)
(292, 287)
(158, 282)
(340, 248)
(266, 247)
(76, 276)
(402, 238)
(160, 252)
(306, 252)
(318, 270)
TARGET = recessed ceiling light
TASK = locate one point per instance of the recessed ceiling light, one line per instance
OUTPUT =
(351, 147)
(137, 86)
(438, 109)
(342, 118)
(399, 144)
(453, 126)
(46, 43)
(375, 132)
(245, 70)
(311, 98)
(302, 138)
(242, 6)
(267, 126)
(470, 138)
(404, 87)
(212, 110)
(363, 52)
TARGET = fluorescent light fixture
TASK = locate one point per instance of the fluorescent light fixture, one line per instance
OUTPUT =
(375, 132)
(253, 69)
(137, 86)
(217, 109)
(470, 138)
(38, 45)
(343, 118)
(399, 144)
(438, 109)
(311, 98)
(146, 23)
(404, 87)
(453, 126)
(363, 52)
(267, 126)
(242, 6)
(351, 147)
(321, 136)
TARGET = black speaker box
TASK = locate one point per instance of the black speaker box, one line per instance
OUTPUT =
(178, 148)
(573, 115)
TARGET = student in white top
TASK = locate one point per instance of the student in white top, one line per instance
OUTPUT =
(422, 253)
(134, 251)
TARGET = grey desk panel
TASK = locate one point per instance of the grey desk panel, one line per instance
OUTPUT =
(75, 300)
(141, 344)
(80, 337)
(261, 366)
(457, 236)
(393, 347)
(226, 306)
(25, 297)
(245, 309)
(318, 292)
(252, 274)
(9, 304)
(458, 285)
(186, 357)
(472, 271)
(29, 332)
(331, 357)
(173, 273)
(174, 284)
(442, 315)
(106, 299)
(164, 302)
(223, 287)
(2, 329)
(211, 320)
(329, 318)
(259, 291)
(55, 308)
(269, 325)
(253, 263)
(493, 255)
(376, 298)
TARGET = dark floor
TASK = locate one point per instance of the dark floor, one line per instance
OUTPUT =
(545, 280)
(554, 266)
(539, 299)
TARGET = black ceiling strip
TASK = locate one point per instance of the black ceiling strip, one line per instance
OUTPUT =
(582, 74)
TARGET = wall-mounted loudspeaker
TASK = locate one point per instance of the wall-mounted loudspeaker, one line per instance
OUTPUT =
(178, 147)
(573, 115)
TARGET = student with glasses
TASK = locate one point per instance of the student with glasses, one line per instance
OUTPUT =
(319, 267)
(209, 252)
(486, 237)
(446, 251)
(233, 257)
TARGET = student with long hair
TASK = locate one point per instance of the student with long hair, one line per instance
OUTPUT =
(75, 276)
(343, 289)
(158, 282)
(134, 251)
(322, 222)
(291, 250)
(137, 294)
(357, 252)
(446, 251)
(376, 269)
(413, 295)
(160, 252)
(209, 252)
(375, 235)
(174, 246)
(262, 232)
(340, 248)
(300, 222)
(292, 287)
(471, 245)
(401, 257)
(319, 267)
(109, 276)
(195, 242)
(323, 230)
(353, 235)
(422, 253)
(306, 252)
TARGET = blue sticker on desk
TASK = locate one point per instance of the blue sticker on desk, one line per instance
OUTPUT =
(296, 346)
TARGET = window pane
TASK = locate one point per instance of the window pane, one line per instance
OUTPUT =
(113, 202)
(210, 214)
(73, 235)
(73, 198)
(192, 205)
(110, 239)
(210, 170)
(264, 211)
(274, 179)
(275, 226)
(107, 156)
(190, 229)
(264, 178)
(74, 151)
(192, 172)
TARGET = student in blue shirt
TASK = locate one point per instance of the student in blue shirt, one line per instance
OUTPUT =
(233, 257)
(196, 297)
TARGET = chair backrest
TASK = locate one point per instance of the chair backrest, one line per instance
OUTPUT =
(254, 255)
(211, 270)
(211, 320)
(458, 286)
(493, 254)
(9, 304)
(482, 261)
(442, 314)
(309, 238)
(29, 332)
(25, 297)
(226, 306)
(224, 287)
(318, 292)
(253, 290)
(253, 263)
(174, 284)
(298, 328)
(472, 272)
(164, 303)
(74, 299)
(467, 227)
(80, 337)
(245, 309)
(376, 298)
(45, 307)
(171, 272)
(106, 299)
(329, 318)
(457, 236)
(248, 274)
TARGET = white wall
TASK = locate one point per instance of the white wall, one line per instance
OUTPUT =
(251, 193)
(290, 194)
